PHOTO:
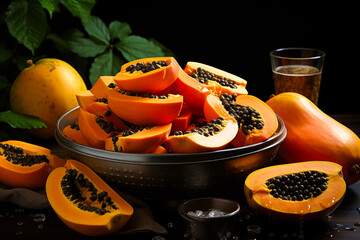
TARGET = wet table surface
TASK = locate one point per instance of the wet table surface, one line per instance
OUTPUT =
(344, 223)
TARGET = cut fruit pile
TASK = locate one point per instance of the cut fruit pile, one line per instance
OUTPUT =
(151, 106)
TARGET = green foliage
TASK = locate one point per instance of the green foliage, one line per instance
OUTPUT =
(91, 46)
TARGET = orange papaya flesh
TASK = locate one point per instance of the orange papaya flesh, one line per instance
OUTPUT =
(265, 190)
(84, 202)
(314, 135)
(84, 98)
(182, 122)
(26, 165)
(222, 81)
(102, 86)
(193, 92)
(257, 121)
(159, 150)
(73, 133)
(139, 139)
(144, 110)
(148, 75)
(216, 135)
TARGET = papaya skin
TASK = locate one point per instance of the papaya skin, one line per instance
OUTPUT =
(31, 177)
(84, 222)
(259, 198)
(46, 90)
(312, 135)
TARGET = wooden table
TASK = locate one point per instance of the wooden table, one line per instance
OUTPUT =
(344, 223)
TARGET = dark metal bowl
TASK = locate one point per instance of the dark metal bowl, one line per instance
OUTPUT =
(173, 176)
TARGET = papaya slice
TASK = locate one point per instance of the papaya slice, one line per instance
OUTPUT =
(145, 110)
(26, 165)
(296, 191)
(84, 202)
(194, 93)
(73, 133)
(182, 122)
(147, 75)
(84, 98)
(221, 81)
(257, 121)
(102, 86)
(94, 128)
(216, 135)
(159, 150)
(139, 139)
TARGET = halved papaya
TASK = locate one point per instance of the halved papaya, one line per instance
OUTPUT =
(139, 139)
(26, 165)
(84, 202)
(73, 132)
(257, 121)
(222, 81)
(95, 129)
(148, 75)
(182, 122)
(102, 86)
(216, 135)
(145, 110)
(296, 191)
(194, 93)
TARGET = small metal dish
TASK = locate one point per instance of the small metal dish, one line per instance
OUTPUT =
(173, 176)
(209, 227)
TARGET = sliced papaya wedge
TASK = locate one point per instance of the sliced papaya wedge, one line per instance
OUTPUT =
(84, 98)
(139, 140)
(257, 121)
(148, 75)
(145, 110)
(182, 122)
(26, 165)
(102, 86)
(84, 202)
(222, 81)
(73, 132)
(216, 135)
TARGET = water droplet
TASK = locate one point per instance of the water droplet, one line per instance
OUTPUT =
(254, 229)
(39, 217)
(347, 228)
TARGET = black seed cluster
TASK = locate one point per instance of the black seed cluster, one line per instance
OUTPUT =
(144, 95)
(150, 66)
(211, 128)
(106, 126)
(112, 85)
(71, 185)
(246, 117)
(75, 126)
(16, 155)
(202, 76)
(103, 100)
(298, 186)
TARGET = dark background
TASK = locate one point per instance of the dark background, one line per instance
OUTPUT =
(237, 37)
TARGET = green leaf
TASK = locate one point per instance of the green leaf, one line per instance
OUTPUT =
(26, 21)
(85, 47)
(61, 40)
(134, 47)
(50, 5)
(119, 30)
(97, 29)
(16, 120)
(106, 64)
(80, 8)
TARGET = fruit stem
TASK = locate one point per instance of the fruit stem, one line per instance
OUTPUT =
(29, 63)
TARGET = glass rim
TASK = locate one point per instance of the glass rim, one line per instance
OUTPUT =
(321, 54)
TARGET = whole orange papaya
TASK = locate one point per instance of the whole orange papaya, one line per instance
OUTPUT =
(46, 90)
(312, 135)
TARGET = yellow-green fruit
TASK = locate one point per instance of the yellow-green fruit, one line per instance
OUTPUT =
(46, 90)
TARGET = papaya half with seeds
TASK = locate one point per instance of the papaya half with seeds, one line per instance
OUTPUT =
(296, 191)
(148, 75)
(145, 110)
(26, 165)
(84, 202)
(313, 135)
(216, 135)
(257, 121)
(140, 140)
(221, 81)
